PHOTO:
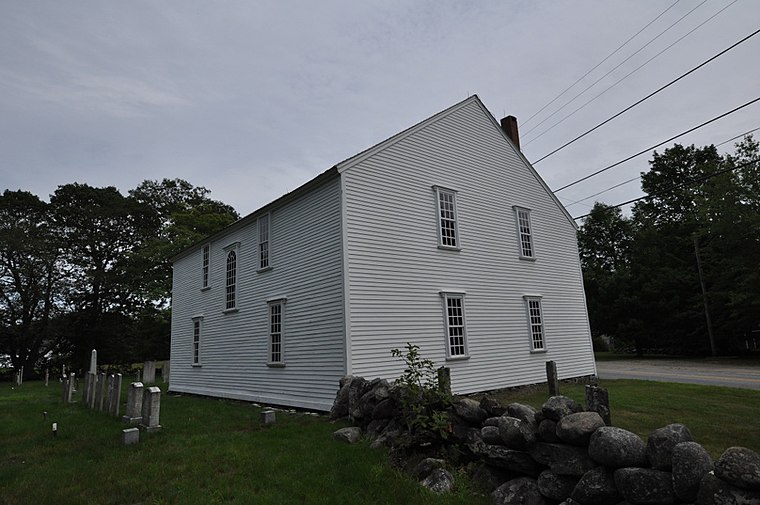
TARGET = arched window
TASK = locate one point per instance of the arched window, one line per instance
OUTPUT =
(231, 280)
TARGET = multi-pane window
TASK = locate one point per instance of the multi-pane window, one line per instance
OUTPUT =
(230, 280)
(206, 262)
(447, 218)
(276, 332)
(456, 332)
(264, 241)
(535, 323)
(524, 232)
(197, 322)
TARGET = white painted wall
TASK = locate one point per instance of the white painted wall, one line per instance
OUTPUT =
(395, 270)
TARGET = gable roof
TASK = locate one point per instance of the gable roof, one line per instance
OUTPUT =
(348, 163)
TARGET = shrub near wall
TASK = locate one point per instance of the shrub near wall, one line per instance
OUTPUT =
(559, 453)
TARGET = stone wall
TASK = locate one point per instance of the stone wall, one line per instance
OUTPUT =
(561, 453)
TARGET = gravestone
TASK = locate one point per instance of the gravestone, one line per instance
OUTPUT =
(92, 383)
(63, 371)
(70, 388)
(100, 391)
(598, 400)
(268, 417)
(94, 361)
(151, 408)
(114, 395)
(133, 415)
(130, 436)
(64, 391)
(149, 372)
(551, 378)
(165, 371)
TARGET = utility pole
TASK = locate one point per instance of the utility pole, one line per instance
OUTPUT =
(713, 350)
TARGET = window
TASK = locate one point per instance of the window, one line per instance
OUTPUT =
(456, 333)
(447, 218)
(535, 323)
(206, 261)
(197, 322)
(524, 232)
(264, 242)
(230, 279)
(276, 333)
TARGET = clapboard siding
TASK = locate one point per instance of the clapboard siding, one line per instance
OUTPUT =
(395, 270)
(306, 256)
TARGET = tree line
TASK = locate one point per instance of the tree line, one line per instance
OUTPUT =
(681, 275)
(91, 269)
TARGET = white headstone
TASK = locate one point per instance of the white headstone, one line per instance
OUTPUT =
(151, 408)
(94, 361)
(133, 414)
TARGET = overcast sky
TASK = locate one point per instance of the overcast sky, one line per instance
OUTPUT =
(253, 98)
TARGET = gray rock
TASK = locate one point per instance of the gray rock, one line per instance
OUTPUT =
(576, 429)
(644, 486)
(516, 433)
(713, 491)
(385, 409)
(557, 407)
(691, 463)
(547, 431)
(740, 467)
(661, 442)
(389, 435)
(570, 501)
(490, 434)
(340, 405)
(562, 459)
(524, 412)
(426, 466)
(487, 477)
(376, 427)
(469, 410)
(357, 388)
(380, 388)
(515, 461)
(492, 406)
(554, 486)
(520, 491)
(617, 448)
(439, 481)
(352, 434)
(596, 487)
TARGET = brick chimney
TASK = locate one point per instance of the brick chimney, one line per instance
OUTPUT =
(509, 125)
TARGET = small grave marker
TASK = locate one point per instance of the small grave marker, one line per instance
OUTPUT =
(130, 436)
(268, 417)
(151, 408)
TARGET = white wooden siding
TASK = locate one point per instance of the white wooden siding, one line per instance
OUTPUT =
(395, 269)
(306, 260)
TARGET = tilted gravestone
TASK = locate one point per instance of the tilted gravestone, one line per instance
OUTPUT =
(150, 409)
(149, 372)
(114, 395)
(133, 414)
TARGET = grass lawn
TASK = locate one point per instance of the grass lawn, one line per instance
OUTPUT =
(217, 451)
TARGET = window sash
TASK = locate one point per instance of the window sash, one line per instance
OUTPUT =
(456, 333)
(536, 324)
(275, 332)
(205, 267)
(231, 280)
(264, 241)
(447, 219)
(196, 341)
(525, 233)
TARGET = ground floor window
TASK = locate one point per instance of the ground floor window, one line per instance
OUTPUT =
(456, 330)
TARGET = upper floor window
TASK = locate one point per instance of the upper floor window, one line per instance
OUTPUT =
(206, 262)
(535, 323)
(197, 329)
(456, 331)
(264, 241)
(524, 233)
(230, 278)
(448, 235)
(276, 332)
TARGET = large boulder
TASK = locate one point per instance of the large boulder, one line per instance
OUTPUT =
(554, 486)
(740, 467)
(339, 408)
(691, 463)
(376, 427)
(524, 412)
(492, 406)
(490, 434)
(487, 477)
(617, 448)
(351, 435)
(439, 481)
(515, 461)
(713, 491)
(385, 409)
(516, 433)
(576, 429)
(644, 486)
(547, 431)
(520, 491)
(357, 388)
(557, 407)
(469, 410)
(661, 443)
(426, 466)
(596, 487)
(562, 459)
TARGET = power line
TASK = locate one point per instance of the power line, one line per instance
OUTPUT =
(639, 176)
(622, 78)
(598, 64)
(657, 145)
(648, 96)
(610, 71)
(678, 186)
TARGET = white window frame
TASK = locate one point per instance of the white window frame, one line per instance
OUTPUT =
(276, 332)
(197, 338)
(524, 227)
(454, 309)
(231, 280)
(534, 312)
(447, 219)
(265, 251)
(205, 266)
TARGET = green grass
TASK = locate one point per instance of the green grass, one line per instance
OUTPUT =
(209, 451)
(717, 417)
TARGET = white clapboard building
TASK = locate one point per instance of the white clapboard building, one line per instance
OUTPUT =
(442, 235)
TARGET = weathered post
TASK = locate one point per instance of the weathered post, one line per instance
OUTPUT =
(133, 415)
(444, 380)
(551, 378)
(598, 400)
(151, 408)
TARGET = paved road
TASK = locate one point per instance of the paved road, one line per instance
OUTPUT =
(716, 372)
